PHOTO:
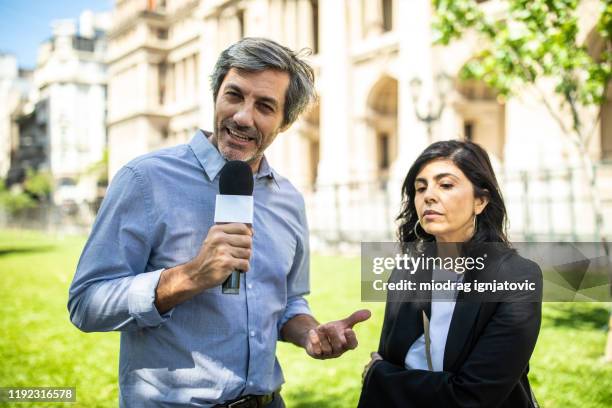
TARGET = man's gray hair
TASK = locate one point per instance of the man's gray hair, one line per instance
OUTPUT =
(257, 54)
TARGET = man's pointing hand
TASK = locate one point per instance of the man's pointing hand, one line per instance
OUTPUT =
(331, 340)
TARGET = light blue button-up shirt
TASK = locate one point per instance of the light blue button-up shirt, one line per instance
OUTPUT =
(213, 347)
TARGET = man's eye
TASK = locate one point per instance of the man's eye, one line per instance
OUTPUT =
(447, 186)
(420, 189)
(233, 94)
(266, 108)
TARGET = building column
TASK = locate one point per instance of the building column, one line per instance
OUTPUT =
(372, 17)
(191, 96)
(334, 93)
(258, 19)
(415, 56)
(209, 52)
(291, 25)
(304, 33)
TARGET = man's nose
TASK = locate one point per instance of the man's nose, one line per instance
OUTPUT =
(244, 115)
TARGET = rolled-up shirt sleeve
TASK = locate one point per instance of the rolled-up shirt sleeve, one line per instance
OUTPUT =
(114, 287)
(298, 279)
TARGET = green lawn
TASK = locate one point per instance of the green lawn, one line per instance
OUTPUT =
(40, 347)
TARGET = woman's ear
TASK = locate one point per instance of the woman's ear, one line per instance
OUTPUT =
(480, 202)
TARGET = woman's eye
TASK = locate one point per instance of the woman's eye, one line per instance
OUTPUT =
(447, 186)
(420, 189)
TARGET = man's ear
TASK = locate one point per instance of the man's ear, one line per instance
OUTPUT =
(284, 127)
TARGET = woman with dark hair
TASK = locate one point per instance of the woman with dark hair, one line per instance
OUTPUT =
(469, 349)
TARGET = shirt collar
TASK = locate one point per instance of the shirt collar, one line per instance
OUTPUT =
(266, 171)
(212, 162)
(207, 154)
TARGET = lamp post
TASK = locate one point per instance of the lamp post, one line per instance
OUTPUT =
(443, 85)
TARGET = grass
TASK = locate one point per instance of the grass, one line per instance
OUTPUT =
(40, 347)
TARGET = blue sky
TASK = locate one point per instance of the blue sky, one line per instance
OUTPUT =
(24, 24)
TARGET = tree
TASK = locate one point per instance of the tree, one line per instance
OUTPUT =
(15, 202)
(533, 42)
(36, 188)
(99, 169)
(38, 184)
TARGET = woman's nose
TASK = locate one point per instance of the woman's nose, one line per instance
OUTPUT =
(429, 196)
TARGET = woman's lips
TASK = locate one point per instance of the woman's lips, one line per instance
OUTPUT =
(431, 215)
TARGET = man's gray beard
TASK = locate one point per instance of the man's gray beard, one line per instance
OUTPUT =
(216, 143)
(249, 160)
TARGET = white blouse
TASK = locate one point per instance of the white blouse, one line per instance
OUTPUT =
(439, 323)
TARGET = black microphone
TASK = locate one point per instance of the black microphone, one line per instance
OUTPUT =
(234, 203)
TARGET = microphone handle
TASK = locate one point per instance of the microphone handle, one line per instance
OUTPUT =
(231, 286)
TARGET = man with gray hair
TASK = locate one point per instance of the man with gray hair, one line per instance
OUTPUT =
(153, 264)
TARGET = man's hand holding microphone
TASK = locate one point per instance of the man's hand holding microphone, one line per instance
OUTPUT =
(227, 248)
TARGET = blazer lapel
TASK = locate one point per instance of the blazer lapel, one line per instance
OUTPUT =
(468, 306)
(405, 323)
(464, 317)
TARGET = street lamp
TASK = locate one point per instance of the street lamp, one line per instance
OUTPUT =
(443, 84)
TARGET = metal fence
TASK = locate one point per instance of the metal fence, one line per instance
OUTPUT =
(545, 205)
(556, 205)
(50, 218)
(548, 205)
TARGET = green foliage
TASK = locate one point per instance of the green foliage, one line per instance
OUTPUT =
(15, 202)
(40, 347)
(38, 184)
(100, 169)
(532, 39)
(36, 187)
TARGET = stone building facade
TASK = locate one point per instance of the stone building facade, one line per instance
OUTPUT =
(378, 77)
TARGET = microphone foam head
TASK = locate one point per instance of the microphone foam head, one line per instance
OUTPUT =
(236, 178)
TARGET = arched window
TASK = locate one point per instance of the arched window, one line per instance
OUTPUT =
(382, 120)
(482, 116)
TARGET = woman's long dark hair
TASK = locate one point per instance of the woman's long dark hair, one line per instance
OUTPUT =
(474, 162)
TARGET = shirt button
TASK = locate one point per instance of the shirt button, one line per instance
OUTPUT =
(250, 383)
(249, 285)
(252, 333)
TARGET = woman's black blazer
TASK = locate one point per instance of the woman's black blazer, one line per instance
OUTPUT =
(486, 359)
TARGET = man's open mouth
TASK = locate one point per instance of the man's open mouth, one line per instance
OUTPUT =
(238, 136)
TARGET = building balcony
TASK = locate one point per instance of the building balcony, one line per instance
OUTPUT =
(147, 30)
